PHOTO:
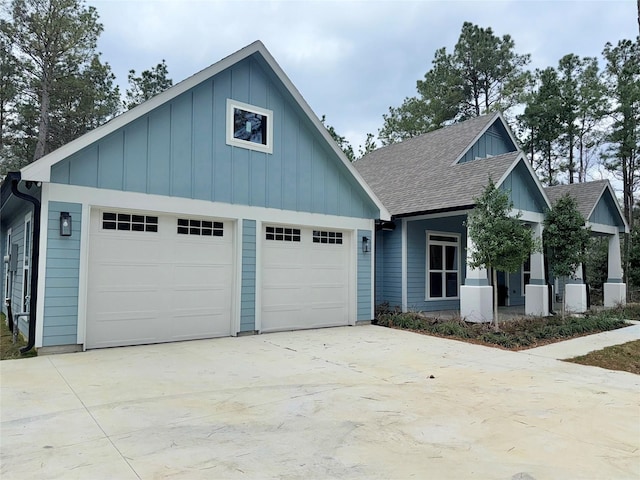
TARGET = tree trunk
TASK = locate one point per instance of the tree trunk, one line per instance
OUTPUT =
(494, 275)
(43, 125)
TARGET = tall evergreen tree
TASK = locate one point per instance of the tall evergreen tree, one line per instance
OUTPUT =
(149, 84)
(49, 36)
(541, 123)
(482, 74)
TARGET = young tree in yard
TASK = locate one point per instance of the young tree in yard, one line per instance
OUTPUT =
(147, 85)
(501, 241)
(565, 238)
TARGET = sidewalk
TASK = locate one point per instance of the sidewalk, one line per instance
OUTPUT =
(583, 345)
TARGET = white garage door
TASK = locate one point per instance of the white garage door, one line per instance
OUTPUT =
(305, 281)
(157, 278)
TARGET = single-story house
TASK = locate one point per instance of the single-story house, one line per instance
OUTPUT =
(598, 205)
(428, 184)
(219, 207)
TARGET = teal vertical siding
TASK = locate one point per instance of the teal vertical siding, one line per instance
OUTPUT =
(180, 149)
(16, 223)
(495, 141)
(524, 192)
(417, 261)
(248, 294)
(516, 295)
(379, 268)
(392, 267)
(605, 212)
(364, 277)
(60, 324)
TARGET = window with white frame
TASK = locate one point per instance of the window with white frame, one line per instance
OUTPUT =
(249, 126)
(26, 264)
(443, 266)
(7, 275)
(526, 274)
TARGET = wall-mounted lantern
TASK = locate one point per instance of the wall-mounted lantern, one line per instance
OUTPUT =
(65, 224)
(366, 247)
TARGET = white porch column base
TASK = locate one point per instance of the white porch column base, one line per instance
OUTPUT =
(476, 303)
(615, 294)
(575, 297)
(536, 300)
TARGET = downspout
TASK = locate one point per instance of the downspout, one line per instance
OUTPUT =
(35, 256)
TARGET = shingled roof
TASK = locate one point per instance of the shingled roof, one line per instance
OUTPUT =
(586, 194)
(418, 175)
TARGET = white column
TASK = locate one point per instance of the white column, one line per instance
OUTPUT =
(615, 292)
(575, 293)
(476, 295)
(536, 300)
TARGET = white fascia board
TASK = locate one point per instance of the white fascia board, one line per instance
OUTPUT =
(295, 93)
(533, 174)
(528, 216)
(455, 213)
(41, 169)
(186, 206)
(498, 115)
(602, 228)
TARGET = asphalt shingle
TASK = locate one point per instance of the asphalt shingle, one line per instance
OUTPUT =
(419, 174)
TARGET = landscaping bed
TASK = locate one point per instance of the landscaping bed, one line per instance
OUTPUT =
(517, 334)
(8, 349)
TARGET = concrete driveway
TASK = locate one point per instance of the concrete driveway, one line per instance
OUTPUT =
(355, 402)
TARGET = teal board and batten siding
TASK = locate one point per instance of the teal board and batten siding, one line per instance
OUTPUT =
(16, 224)
(179, 149)
(248, 284)
(495, 141)
(417, 287)
(606, 213)
(364, 277)
(389, 284)
(523, 190)
(60, 324)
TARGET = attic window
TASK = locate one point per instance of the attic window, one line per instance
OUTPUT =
(249, 127)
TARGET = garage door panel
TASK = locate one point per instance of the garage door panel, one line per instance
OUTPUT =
(150, 287)
(305, 284)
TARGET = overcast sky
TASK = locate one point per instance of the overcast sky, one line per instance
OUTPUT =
(351, 60)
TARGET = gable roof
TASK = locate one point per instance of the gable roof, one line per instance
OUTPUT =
(587, 196)
(41, 169)
(421, 174)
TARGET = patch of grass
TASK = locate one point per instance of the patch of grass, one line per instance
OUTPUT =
(527, 332)
(625, 357)
(8, 349)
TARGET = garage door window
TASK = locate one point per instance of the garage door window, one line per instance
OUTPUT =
(332, 238)
(204, 228)
(129, 222)
(283, 234)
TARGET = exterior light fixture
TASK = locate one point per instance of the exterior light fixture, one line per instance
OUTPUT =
(366, 248)
(65, 224)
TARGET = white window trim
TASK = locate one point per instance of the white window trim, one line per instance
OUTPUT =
(233, 104)
(457, 236)
(7, 276)
(26, 260)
